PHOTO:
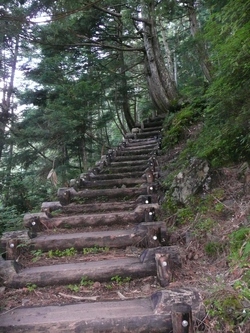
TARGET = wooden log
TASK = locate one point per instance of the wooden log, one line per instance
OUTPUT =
(149, 176)
(74, 208)
(21, 235)
(48, 207)
(141, 143)
(87, 220)
(149, 254)
(12, 249)
(128, 182)
(135, 151)
(137, 315)
(7, 271)
(153, 123)
(148, 134)
(130, 157)
(106, 176)
(149, 214)
(70, 273)
(163, 300)
(125, 168)
(136, 163)
(164, 269)
(182, 318)
(66, 195)
(155, 234)
(147, 199)
(36, 222)
(152, 129)
(110, 239)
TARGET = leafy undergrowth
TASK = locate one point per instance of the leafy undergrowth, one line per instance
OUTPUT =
(213, 232)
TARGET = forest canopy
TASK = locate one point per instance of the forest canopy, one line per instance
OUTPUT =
(76, 76)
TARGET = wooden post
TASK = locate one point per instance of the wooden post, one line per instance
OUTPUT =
(163, 265)
(12, 249)
(182, 318)
(149, 214)
(150, 189)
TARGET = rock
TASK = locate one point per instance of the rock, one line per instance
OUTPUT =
(7, 270)
(146, 288)
(2, 290)
(190, 181)
(96, 285)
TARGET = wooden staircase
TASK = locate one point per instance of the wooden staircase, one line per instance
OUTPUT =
(112, 206)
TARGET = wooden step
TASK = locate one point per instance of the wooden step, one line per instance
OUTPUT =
(148, 134)
(135, 163)
(104, 270)
(67, 195)
(137, 150)
(141, 235)
(124, 169)
(42, 221)
(152, 314)
(129, 157)
(104, 176)
(125, 182)
(155, 128)
(99, 207)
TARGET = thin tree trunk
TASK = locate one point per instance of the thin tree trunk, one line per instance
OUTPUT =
(8, 89)
(200, 45)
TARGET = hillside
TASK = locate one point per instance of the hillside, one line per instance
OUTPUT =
(211, 231)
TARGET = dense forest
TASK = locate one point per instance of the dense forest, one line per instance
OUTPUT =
(77, 75)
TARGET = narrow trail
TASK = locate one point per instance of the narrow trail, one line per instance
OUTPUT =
(112, 209)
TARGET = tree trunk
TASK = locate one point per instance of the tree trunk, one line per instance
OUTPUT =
(162, 88)
(200, 45)
(7, 91)
(124, 85)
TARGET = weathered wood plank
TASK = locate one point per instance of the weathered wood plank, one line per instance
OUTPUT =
(66, 195)
(152, 314)
(86, 220)
(74, 208)
(104, 176)
(65, 274)
(111, 239)
(81, 183)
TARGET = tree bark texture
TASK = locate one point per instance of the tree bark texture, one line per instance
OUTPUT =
(162, 88)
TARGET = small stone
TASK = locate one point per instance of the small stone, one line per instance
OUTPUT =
(97, 285)
(25, 301)
(2, 290)
(146, 288)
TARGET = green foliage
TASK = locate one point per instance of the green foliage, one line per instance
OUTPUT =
(213, 249)
(225, 136)
(74, 287)
(86, 282)
(95, 249)
(31, 286)
(120, 280)
(37, 254)
(240, 245)
(10, 219)
(176, 125)
(226, 306)
(205, 225)
(70, 252)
